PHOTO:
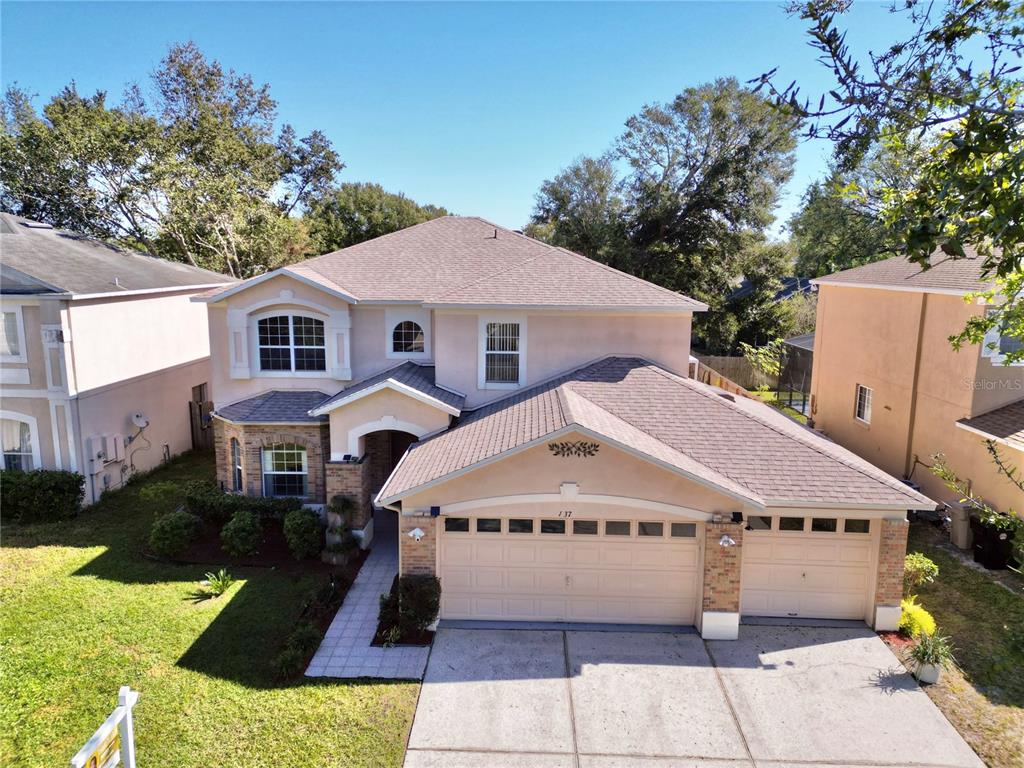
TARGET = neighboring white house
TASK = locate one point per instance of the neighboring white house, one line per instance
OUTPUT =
(91, 336)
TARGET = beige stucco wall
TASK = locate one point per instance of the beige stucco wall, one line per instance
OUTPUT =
(882, 339)
(611, 471)
(557, 342)
(117, 339)
(382, 410)
(163, 396)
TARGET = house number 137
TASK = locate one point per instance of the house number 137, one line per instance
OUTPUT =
(565, 513)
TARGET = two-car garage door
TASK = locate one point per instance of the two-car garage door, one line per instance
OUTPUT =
(582, 570)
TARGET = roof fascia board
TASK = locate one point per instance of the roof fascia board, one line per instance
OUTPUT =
(776, 504)
(687, 513)
(281, 272)
(395, 386)
(137, 292)
(987, 436)
(698, 307)
(269, 423)
(901, 288)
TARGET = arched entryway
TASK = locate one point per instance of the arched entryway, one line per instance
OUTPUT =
(383, 450)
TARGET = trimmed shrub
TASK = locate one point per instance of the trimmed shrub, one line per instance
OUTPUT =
(242, 535)
(303, 532)
(412, 606)
(41, 496)
(917, 571)
(915, 620)
(300, 645)
(211, 503)
(172, 533)
(161, 497)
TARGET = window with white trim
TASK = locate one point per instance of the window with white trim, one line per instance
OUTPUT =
(407, 338)
(12, 336)
(502, 353)
(284, 470)
(862, 410)
(290, 342)
(236, 465)
(16, 441)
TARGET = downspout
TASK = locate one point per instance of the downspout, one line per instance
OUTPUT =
(908, 462)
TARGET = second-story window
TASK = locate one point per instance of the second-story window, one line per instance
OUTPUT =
(502, 353)
(292, 343)
(407, 337)
(863, 408)
(12, 348)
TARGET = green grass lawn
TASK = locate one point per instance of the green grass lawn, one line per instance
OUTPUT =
(772, 398)
(84, 612)
(985, 620)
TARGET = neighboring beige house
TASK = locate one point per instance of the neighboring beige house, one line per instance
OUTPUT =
(888, 385)
(527, 413)
(91, 336)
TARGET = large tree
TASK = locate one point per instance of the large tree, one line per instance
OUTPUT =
(193, 171)
(688, 188)
(839, 224)
(354, 212)
(957, 75)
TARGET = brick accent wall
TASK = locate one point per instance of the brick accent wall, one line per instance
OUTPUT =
(254, 437)
(722, 567)
(892, 548)
(351, 479)
(417, 558)
(377, 455)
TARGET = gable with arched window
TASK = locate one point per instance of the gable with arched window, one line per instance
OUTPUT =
(408, 333)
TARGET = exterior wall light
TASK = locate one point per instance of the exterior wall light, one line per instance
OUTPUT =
(725, 541)
(416, 534)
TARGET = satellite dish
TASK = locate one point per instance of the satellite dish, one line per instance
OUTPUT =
(140, 420)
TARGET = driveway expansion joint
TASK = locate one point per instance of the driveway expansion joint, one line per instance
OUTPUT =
(568, 685)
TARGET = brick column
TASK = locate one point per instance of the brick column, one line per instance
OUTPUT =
(349, 478)
(417, 558)
(720, 604)
(892, 548)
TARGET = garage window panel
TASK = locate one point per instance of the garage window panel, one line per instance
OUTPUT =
(617, 528)
(650, 529)
(520, 525)
(791, 524)
(488, 525)
(759, 523)
(824, 525)
(456, 525)
(684, 530)
(856, 526)
(552, 526)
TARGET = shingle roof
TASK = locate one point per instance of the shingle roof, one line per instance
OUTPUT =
(804, 341)
(462, 260)
(408, 374)
(276, 406)
(945, 274)
(1005, 424)
(740, 445)
(78, 264)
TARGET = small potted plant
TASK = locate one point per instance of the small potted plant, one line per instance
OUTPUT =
(930, 655)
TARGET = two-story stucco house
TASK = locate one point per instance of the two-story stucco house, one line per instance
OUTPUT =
(91, 336)
(888, 385)
(527, 413)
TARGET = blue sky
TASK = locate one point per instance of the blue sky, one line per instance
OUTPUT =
(466, 105)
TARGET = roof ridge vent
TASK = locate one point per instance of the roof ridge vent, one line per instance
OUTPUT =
(36, 225)
(727, 396)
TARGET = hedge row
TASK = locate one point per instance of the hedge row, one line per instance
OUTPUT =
(212, 504)
(43, 495)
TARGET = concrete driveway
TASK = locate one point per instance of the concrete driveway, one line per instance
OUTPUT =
(780, 697)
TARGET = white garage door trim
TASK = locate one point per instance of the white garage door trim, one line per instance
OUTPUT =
(811, 572)
(569, 576)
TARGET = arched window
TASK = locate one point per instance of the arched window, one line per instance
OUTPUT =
(284, 470)
(292, 343)
(16, 439)
(236, 466)
(407, 337)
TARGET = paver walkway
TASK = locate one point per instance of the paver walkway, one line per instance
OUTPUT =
(346, 651)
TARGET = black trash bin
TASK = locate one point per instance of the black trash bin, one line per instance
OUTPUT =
(993, 547)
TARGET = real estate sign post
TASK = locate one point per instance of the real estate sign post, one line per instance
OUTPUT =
(114, 741)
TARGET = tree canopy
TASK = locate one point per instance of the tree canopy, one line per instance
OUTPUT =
(956, 76)
(687, 189)
(353, 212)
(191, 170)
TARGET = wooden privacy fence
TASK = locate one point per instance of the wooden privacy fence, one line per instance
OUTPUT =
(737, 369)
(707, 375)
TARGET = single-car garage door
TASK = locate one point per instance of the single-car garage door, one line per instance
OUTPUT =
(587, 570)
(807, 567)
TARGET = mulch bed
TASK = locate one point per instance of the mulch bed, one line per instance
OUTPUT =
(418, 639)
